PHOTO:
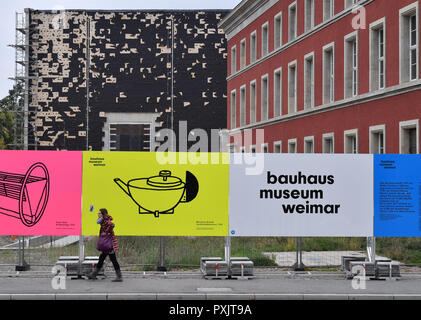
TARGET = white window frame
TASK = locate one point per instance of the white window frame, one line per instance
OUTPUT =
(253, 148)
(328, 136)
(243, 53)
(290, 65)
(351, 133)
(293, 142)
(265, 26)
(253, 104)
(277, 111)
(308, 25)
(243, 105)
(242, 149)
(277, 144)
(233, 59)
(292, 35)
(411, 124)
(277, 32)
(376, 130)
(306, 140)
(264, 116)
(331, 11)
(330, 78)
(123, 118)
(405, 70)
(253, 46)
(375, 59)
(263, 146)
(310, 85)
(351, 74)
(350, 3)
(233, 108)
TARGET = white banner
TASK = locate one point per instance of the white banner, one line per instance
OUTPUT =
(302, 195)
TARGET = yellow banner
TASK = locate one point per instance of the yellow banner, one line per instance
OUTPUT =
(157, 194)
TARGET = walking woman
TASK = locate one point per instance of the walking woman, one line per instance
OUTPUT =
(107, 244)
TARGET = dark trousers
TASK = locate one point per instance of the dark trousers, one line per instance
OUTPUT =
(113, 259)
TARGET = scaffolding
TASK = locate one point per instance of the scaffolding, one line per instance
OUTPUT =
(21, 111)
(24, 73)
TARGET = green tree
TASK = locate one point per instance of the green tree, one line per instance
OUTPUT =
(7, 119)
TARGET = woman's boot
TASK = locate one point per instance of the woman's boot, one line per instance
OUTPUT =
(118, 277)
(93, 274)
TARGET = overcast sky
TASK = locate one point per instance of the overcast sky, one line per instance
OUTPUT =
(9, 7)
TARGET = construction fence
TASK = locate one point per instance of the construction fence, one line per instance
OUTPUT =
(174, 253)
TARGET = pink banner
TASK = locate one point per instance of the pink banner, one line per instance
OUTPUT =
(40, 193)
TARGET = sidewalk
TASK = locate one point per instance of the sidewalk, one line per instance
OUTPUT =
(191, 286)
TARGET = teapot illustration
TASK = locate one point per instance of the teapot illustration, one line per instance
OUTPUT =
(160, 194)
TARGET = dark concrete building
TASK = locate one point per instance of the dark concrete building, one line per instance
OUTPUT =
(129, 67)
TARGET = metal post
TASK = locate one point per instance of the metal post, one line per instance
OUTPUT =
(26, 87)
(88, 57)
(162, 241)
(162, 266)
(371, 249)
(22, 265)
(228, 250)
(298, 265)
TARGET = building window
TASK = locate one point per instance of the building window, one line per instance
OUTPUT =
(328, 143)
(351, 141)
(292, 87)
(129, 131)
(409, 137)
(309, 144)
(277, 147)
(253, 47)
(278, 30)
(309, 81)
(378, 139)
(277, 97)
(292, 23)
(242, 149)
(130, 137)
(232, 148)
(351, 65)
(243, 54)
(265, 97)
(328, 9)
(253, 149)
(349, 3)
(377, 55)
(309, 15)
(265, 148)
(233, 59)
(292, 146)
(409, 43)
(253, 101)
(328, 74)
(265, 39)
(243, 106)
(233, 109)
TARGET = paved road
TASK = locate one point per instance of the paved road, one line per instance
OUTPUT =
(192, 286)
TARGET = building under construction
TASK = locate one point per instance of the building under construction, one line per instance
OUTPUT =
(111, 80)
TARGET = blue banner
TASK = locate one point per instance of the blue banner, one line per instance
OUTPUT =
(397, 196)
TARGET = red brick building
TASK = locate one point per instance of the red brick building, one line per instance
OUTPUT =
(325, 76)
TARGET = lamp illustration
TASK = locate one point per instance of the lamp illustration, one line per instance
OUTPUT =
(25, 196)
(160, 194)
